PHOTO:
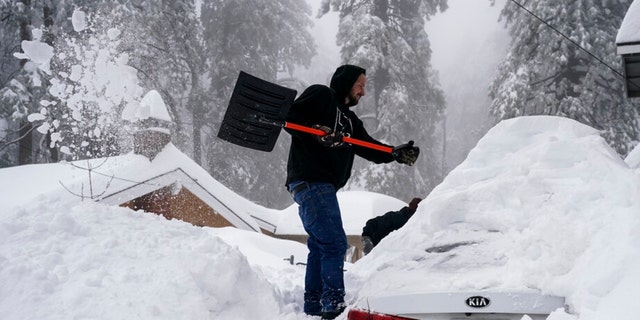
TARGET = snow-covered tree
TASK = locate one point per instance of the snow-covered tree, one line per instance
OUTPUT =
(168, 49)
(267, 39)
(546, 74)
(23, 82)
(388, 38)
(88, 84)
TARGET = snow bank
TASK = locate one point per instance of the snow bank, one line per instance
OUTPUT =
(552, 208)
(633, 158)
(70, 260)
(549, 206)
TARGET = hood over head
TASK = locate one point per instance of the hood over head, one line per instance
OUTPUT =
(343, 79)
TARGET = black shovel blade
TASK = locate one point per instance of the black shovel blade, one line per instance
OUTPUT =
(256, 113)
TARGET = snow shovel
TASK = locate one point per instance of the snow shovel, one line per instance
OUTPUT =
(256, 113)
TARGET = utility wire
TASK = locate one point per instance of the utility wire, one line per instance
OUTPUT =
(569, 39)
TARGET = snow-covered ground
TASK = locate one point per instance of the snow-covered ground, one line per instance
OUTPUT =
(565, 207)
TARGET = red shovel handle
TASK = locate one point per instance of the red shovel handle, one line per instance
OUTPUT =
(350, 140)
(367, 144)
(298, 127)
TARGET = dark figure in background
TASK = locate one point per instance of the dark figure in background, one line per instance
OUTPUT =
(317, 168)
(380, 226)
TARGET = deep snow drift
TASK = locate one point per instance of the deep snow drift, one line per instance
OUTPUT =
(562, 208)
(552, 208)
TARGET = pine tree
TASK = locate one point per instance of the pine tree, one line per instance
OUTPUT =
(166, 38)
(545, 74)
(22, 84)
(17, 88)
(267, 39)
(88, 86)
(388, 38)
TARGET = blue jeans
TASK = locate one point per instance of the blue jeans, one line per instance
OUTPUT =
(327, 243)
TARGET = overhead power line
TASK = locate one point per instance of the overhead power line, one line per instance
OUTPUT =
(567, 38)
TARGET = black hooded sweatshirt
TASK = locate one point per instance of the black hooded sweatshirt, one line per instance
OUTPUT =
(320, 105)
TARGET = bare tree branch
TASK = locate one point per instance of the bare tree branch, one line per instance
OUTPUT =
(73, 193)
(8, 143)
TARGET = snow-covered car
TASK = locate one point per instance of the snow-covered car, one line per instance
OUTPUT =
(458, 255)
(521, 229)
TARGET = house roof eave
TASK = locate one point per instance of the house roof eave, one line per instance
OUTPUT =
(240, 220)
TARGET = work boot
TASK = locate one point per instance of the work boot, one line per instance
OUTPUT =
(332, 314)
(312, 306)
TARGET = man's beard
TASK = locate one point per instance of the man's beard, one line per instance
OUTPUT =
(352, 101)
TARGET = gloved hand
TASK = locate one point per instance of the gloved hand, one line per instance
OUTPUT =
(367, 245)
(413, 205)
(406, 153)
(330, 139)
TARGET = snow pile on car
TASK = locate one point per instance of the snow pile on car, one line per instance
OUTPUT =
(541, 203)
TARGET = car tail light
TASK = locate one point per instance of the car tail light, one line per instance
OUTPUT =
(355, 314)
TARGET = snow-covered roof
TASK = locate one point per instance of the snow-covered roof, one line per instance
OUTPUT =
(628, 38)
(116, 180)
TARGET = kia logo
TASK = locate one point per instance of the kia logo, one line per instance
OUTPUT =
(477, 302)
